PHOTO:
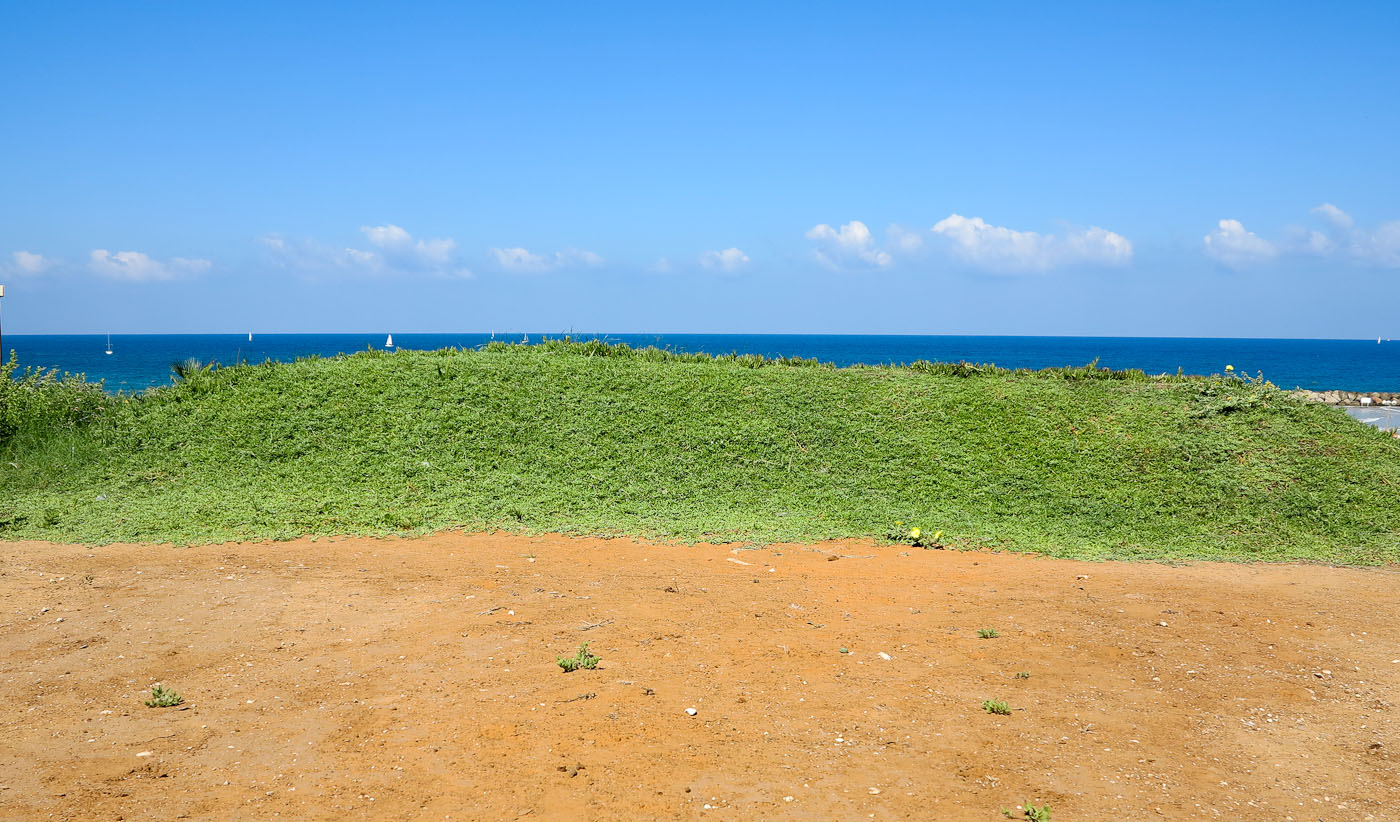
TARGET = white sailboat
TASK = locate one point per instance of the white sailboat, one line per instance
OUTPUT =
(389, 343)
(109, 344)
(250, 336)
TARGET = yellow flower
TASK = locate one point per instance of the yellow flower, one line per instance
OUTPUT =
(1229, 368)
(914, 532)
(936, 535)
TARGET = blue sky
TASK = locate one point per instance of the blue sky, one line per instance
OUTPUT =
(1167, 169)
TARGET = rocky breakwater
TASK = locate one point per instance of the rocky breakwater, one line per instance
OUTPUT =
(1362, 398)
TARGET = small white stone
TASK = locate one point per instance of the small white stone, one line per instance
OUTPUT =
(145, 753)
(787, 799)
(874, 791)
(884, 655)
(691, 711)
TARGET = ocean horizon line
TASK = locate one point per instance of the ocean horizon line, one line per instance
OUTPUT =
(573, 332)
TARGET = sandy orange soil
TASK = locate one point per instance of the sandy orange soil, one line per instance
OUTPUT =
(416, 679)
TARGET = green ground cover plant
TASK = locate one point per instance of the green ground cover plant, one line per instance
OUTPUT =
(598, 439)
(582, 659)
(163, 697)
(996, 706)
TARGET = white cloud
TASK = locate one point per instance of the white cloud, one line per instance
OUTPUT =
(368, 259)
(571, 257)
(1096, 245)
(1334, 215)
(387, 236)
(851, 246)
(903, 240)
(1235, 246)
(520, 259)
(1380, 247)
(998, 248)
(730, 259)
(134, 266)
(398, 243)
(27, 262)
(661, 266)
(395, 252)
(1340, 239)
(1308, 241)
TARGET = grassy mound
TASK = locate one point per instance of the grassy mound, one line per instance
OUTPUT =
(595, 439)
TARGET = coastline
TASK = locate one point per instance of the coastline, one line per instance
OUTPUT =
(141, 361)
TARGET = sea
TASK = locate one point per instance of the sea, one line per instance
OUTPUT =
(140, 361)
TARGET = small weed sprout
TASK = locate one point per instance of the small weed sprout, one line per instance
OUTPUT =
(1023, 674)
(987, 633)
(1041, 814)
(996, 706)
(163, 697)
(583, 659)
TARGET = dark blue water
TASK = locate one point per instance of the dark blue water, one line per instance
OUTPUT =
(140, 361)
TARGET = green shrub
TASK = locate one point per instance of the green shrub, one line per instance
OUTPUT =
(36, 402)
(996, 706)
(163, 697)
(1230, 394)
(583, 659)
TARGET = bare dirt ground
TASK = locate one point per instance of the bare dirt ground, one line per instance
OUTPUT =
(416, 679)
